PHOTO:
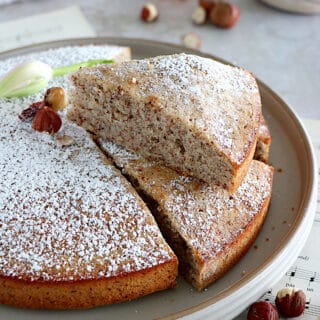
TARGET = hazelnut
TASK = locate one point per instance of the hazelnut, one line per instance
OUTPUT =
(46, 120)
(207, 5)
(29, 113)
(56, 98)
(262, 310)
(191, 40)
(224, 15)
(199, 15)
(149, 12)
(290, 302)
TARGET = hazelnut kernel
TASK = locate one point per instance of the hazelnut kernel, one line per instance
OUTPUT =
(291, 302)
(149, 12)
(56, 98)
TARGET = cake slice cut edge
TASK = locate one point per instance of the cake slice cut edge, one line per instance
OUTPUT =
(193, 114)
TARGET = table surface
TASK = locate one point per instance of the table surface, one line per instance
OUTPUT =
(280, 48)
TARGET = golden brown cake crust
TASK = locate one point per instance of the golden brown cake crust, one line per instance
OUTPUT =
(87, 293)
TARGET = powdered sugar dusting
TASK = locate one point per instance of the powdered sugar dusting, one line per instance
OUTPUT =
(207, 216)
(65, 213)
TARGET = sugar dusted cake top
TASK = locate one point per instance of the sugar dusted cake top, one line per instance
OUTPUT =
(65, 212)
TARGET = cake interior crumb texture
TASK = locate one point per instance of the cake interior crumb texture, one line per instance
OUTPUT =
(193, 114)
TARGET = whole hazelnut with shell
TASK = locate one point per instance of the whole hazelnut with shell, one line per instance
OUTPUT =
(224, 14)
(291, 302)
(46, 120)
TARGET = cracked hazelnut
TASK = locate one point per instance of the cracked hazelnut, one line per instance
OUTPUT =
(224, 15)
(56, 98)
(46, 120)
(262, 310)
(149, 12)
(291, 302)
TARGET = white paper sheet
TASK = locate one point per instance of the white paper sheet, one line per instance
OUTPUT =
(60, 24)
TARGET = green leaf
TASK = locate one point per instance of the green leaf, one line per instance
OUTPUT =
(60, 71)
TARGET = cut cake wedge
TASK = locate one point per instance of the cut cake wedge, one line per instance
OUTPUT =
(208, 228)
(193, 114)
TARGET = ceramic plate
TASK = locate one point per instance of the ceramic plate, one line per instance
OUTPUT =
(277, 246)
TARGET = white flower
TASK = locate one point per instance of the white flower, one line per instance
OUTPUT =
(25, 79)
(30, 77)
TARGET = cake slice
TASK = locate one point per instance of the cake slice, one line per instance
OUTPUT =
(208, 228)
(193, 114)
(74, 232)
